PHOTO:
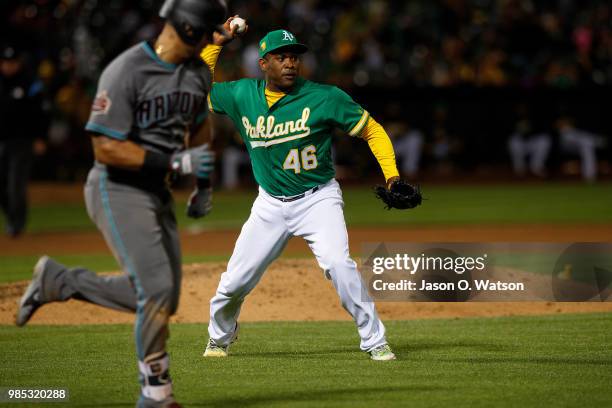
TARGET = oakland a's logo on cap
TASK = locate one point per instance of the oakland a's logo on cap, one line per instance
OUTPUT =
(279, 39)
(287, 36)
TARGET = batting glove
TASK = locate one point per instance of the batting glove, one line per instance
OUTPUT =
(200, 202)
(199, 161)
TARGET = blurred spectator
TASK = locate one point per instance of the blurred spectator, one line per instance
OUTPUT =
(527, 144)
(408, 149)
(444, 147)
(21, 122)
(442, 150)
(582, 143)
(234, 156)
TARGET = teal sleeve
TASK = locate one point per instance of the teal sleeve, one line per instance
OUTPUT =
(346, 114)
(112, 111)
(202, 113)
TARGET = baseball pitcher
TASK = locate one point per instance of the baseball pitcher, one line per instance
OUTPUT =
(147, 123)
(286, 123)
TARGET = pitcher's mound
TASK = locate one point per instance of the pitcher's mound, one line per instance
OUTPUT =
(290, 290)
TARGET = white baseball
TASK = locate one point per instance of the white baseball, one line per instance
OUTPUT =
(239, 23)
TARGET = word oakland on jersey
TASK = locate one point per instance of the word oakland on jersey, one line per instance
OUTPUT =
(290, 142)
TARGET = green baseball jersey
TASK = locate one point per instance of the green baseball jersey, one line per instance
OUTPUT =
(290, 142)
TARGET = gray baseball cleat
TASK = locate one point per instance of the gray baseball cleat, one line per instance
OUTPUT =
(30, 301)
(382, 353)
(144, 402)
(215, 350)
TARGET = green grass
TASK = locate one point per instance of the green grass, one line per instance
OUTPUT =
(499, 204)
(554, 361)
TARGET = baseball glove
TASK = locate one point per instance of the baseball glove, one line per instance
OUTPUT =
(400, 195)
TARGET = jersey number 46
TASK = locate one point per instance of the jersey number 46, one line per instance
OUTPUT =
(308, 162)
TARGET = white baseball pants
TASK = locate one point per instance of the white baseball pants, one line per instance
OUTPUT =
(319, 219)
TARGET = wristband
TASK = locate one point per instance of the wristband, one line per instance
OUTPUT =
(391, 181)
(203, 183)
(156, 161)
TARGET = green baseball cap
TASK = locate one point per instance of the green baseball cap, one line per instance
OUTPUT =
(279, 39)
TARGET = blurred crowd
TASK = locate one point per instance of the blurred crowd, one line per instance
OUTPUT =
(443, 43)
(373, 46)
(440, 43)
(452, 42)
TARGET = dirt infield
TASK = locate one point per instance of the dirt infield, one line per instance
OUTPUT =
(290, 290)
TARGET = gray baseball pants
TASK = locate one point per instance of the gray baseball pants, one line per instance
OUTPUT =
(140, 228)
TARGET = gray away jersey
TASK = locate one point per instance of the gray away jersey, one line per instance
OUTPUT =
(148, 101)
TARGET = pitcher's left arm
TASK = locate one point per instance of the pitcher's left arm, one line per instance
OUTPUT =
(382, 148)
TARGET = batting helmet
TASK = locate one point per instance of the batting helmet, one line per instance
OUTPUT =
(193, 19)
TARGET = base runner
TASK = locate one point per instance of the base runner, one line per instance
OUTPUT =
(151, 102)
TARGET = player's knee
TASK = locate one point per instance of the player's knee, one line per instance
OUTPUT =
(234, 292)
(337, 264)
(234, 289)
(165, 299)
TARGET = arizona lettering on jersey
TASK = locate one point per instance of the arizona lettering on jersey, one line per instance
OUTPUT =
(160, 107)
(290, 142)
